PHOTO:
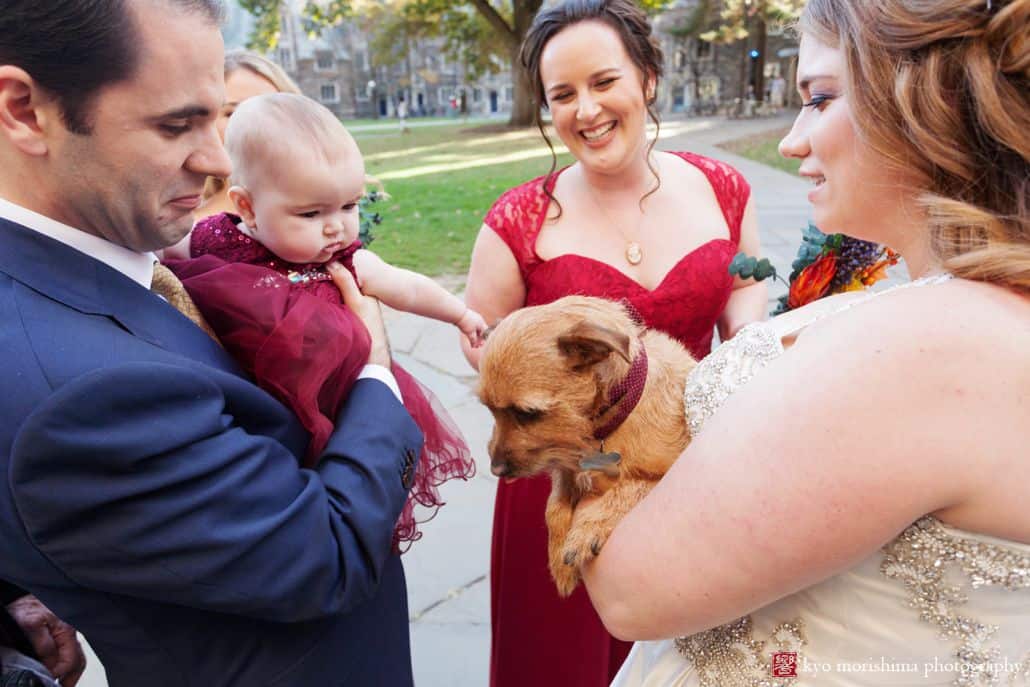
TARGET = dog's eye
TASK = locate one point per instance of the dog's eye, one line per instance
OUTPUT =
(524, 417)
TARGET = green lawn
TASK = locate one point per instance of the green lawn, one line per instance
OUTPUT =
(763, 148)
(442, 180)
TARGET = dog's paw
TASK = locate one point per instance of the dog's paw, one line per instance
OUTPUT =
(566, 579)
(582, 546)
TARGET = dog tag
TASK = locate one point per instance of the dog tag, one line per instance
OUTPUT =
(605, 462)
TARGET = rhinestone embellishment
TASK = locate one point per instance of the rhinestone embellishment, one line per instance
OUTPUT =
(725, 370)
(731, 655)
(922, 557)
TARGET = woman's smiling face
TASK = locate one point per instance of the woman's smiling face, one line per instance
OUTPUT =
(855, 189)
(596, 96)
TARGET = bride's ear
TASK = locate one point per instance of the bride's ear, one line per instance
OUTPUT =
(241, 200)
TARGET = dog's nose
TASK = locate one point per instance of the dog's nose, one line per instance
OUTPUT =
(500, 468)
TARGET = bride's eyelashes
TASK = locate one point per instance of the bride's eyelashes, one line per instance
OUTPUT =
(818, 101)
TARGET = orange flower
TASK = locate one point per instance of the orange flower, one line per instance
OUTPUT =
(813, 282)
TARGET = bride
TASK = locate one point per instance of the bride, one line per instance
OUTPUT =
(853, 507)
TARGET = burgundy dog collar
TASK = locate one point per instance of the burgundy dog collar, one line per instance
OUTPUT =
(625, 395)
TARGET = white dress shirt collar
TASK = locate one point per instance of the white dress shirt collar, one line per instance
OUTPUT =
(138, 267)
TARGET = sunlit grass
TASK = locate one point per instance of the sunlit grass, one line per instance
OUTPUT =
(763, 148)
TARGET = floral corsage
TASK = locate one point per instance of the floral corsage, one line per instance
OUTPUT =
(825, 265)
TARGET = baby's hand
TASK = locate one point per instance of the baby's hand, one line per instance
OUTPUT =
(473, 326)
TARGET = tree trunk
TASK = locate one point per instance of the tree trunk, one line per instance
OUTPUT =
(523, 104)
(761, 44)
(745, 69)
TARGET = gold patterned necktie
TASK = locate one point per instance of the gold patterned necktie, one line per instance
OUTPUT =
(168, 286)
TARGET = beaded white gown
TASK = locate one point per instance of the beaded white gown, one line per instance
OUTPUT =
(935, 606)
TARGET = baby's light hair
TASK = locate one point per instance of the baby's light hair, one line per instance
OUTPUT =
(267, 129)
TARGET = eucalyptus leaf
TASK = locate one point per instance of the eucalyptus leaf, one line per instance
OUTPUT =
(764, 270)
(739, 260)
(747, 269)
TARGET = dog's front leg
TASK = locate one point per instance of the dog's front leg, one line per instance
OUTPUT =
(559, 520)
(593, 523)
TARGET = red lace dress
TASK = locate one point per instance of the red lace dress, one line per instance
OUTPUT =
(287, 325)
(540, 639)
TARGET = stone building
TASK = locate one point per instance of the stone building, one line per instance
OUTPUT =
(336, 69)
(434, 85)
(703, 77)
(323, 66)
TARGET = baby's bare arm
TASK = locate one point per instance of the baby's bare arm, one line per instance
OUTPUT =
(406, 290)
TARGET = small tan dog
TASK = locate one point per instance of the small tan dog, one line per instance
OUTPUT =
(581, 391)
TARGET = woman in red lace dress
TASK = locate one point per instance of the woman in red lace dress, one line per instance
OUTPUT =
(625, 222)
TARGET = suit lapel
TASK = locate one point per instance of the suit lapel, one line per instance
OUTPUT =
(89, 286)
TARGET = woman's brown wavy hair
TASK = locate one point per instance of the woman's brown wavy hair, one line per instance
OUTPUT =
(941, 89)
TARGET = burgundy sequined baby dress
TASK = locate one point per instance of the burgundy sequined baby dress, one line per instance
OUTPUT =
(287, 325)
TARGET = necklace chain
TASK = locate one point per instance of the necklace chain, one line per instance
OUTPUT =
(633, 253)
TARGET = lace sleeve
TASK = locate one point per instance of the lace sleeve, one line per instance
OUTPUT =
(730, 187)
(517, 217)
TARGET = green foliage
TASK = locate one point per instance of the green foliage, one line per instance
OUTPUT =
(737, 17)
(468, 38)
(318, 16)
(472, 41)
(265, 34)
(749, 267)
(324, 13)
(368, 217)
(654, 7)
(695, 22)
(814, 244)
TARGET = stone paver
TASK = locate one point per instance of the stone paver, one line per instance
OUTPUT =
(448, 569)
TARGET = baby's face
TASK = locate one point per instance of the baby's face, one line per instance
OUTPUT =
(306, 209)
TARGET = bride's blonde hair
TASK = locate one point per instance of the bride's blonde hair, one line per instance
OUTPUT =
(941, 90)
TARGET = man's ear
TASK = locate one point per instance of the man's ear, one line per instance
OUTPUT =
(586, 344)
(25, 112)
(241, 200)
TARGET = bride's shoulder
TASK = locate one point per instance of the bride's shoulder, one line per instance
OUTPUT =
(956, 312)
(956, 334)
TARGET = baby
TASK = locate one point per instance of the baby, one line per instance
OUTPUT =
(260, 279)
(297, 179)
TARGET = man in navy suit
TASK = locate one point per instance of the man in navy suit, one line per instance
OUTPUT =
(150, 493)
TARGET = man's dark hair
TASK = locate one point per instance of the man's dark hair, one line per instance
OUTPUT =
(73, 48)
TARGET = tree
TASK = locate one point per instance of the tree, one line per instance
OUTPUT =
(687, 31)
(498, 30)
(265, 34)
(397, 25)
(743, 19)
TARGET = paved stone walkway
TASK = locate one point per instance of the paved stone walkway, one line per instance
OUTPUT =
(447, 570)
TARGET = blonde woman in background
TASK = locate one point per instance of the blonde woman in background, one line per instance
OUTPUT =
(246, 74)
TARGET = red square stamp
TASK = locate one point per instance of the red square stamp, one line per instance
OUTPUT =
(785, 664)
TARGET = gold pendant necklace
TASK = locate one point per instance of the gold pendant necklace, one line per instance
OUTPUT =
(633, 253)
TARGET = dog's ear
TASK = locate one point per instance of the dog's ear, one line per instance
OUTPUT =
(587, 344)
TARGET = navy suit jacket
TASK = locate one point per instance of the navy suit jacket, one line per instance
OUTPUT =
(152, 498)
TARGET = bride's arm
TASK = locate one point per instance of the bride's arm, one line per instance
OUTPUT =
(862, 427)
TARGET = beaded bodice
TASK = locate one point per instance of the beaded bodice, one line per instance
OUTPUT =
(935, 606)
